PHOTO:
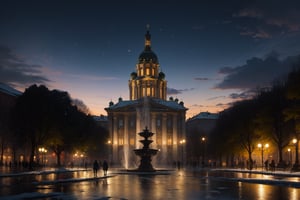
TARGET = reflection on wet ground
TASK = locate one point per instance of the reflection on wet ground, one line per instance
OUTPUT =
(185, 184)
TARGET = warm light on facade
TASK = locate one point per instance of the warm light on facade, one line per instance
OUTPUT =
(295, 141)
(131, 141)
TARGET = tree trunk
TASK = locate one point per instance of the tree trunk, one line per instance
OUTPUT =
(250, 162)
(2, 152)
(31, 159)
(280, 162)
(33, 148)
(58, 154)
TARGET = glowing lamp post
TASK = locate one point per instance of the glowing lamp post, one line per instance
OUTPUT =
(296, 165)
(43, 151)
(109, 142)
(289, 154)
(203, 140)
(262, 148)
(182, 142)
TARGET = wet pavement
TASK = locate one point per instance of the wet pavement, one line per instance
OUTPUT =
(184, 184)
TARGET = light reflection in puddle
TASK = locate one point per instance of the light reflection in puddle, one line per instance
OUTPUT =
(179, 185)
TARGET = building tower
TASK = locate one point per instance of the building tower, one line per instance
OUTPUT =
(149, 108)
(147, 80)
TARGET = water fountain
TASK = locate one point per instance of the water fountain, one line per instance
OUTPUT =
(146, 152)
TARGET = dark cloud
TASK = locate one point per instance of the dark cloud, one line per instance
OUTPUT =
(222, 105)
(15, 71)
(201, 79)
(242, 95)
(227, 70)
(257, 72)
(257, 33)
(217, 97)
(265, 19)
(197, 105)
(173, 91)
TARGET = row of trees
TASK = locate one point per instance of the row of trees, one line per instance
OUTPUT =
(49, 118)
(273, 115)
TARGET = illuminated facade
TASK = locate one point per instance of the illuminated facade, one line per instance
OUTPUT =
(147, 107)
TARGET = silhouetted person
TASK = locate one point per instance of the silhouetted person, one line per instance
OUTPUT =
(95, 167)
(272, 166)
(178, 165)
(267, 165)
(105, 167)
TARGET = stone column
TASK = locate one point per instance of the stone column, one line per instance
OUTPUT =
(183, 134)
(153, 129)
(164, 138)
(115, 141)
(126, 142)
(175, 138)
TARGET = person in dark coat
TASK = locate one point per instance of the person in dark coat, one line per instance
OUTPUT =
(105, 167)
(95, 168)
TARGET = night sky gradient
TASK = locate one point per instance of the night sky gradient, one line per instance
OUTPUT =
(212, 52)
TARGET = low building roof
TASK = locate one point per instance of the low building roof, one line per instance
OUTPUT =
(9, 90)
(174, 105)
(205, 115)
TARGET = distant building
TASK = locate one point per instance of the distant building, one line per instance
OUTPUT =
(198, 129)
(8, 98)
(149, 108)
(101, 120)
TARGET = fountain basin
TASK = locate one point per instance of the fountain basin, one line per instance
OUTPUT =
(145, 153)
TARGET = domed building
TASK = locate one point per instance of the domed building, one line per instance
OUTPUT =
(148, 107)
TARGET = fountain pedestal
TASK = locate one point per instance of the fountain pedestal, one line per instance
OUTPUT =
(146, 152)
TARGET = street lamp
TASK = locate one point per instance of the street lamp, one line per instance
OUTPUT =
(182, 142)
(203, 139)
(289, 154)
(43, 151)
(110, 153)
(296, 165)
(262, 147)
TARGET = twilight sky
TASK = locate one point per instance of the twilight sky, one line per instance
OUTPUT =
(212, 52)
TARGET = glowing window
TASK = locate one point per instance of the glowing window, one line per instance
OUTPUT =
(148, 91)
(142, 72)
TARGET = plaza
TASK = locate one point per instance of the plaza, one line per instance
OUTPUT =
(191, 184)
